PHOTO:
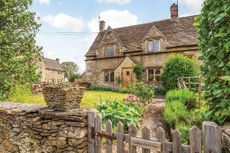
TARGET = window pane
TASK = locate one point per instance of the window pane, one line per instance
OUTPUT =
(109, 51)
(150, 78)
(150, 71)
(158, 78)
(150, 46)
(112, 76)
(106, 75)
(157, 71)
(156, 45)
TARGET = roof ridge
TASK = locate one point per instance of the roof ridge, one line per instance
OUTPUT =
(151, 22)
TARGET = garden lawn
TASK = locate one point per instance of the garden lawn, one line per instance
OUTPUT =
(90, 98)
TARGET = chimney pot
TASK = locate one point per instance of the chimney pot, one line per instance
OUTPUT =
(174, 11)
(102, 25)
(58, 60)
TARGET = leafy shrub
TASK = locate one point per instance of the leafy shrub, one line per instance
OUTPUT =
(138, 70)
(214, 37)
(141, 90)
(187, 97)
(177, 65)
(175, 112)
(127, 111)
(102, 88)
(182, 112)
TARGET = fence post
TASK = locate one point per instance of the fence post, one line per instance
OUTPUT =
(212, 137)
(146, 136)
(132, 133)
(98, 129)
(160, 136)
(195, 140)
(120, 138)
(176, 142)
(91, 141)
(109, 132)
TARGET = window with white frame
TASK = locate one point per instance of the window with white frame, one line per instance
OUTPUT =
(154, 74)
(108, 75)
(153, 45)
(110, 51)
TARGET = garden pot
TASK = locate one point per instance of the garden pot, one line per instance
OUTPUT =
(63, 97)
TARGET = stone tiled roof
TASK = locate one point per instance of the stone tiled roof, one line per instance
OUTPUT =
(178, 33)
(51, 64)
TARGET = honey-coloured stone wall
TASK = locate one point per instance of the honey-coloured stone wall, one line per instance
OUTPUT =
(32, 129)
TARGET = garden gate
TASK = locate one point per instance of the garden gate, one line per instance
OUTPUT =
(209, 139)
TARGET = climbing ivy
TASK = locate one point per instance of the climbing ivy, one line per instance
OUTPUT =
(213, 25)
(138, 70)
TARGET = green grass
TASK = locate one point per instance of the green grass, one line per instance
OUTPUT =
(90, 98)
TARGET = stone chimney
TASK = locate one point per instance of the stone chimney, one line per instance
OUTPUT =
(101, 25)
(174, 11)
(58, 60)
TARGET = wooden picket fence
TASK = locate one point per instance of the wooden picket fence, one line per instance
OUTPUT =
(207, 141)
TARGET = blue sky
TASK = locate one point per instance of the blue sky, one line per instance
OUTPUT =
(79, 18)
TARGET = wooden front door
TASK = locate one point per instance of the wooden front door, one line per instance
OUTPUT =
(127, 76)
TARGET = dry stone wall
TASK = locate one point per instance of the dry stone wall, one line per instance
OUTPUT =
(32, 129)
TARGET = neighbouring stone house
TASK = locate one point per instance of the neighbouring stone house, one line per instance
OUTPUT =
(51, 71)
(114, 52)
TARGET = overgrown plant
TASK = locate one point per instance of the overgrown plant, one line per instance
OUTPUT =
(177, 65)
(138, 70)
(214, 42)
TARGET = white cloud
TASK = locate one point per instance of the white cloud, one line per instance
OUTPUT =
(115, 1)
(194, 5)
(64, 21)
(43, 1)
(113, 18)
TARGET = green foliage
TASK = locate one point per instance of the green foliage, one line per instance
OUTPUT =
(182, 112)
(71, 70)
(187, 97)
(127, 112)
(175, 112)
(73, 77)
(118, 80)
(214, 42)
(1, 95)
(102, 88)
(23, 94)
(141, 90)
(159, 91)
(177, 65)
(18, 51)
(138, 70)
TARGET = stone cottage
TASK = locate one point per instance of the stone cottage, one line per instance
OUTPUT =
(51, 70)
(114, 52)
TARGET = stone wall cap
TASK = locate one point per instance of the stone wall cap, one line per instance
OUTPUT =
(19, 106)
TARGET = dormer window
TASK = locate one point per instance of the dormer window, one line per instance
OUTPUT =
(110, 51)
(153, 45)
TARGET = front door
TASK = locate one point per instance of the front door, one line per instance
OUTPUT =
(127, 76)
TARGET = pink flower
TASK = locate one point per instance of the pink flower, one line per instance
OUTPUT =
(134, 99)
(125, 99)
(131, 95)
